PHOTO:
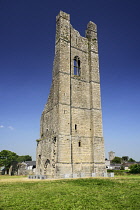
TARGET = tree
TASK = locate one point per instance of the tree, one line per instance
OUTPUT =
(122, 168)
(134, 169)
(131, 160)
(6, 158)
(24, 158)
(116, 160)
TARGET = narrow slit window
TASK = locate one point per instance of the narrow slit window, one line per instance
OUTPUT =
(75, 127)
(77, 66)
(79, 143)
(54, 139)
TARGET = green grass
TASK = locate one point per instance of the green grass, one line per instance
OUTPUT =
(10, 177)
(115, 193)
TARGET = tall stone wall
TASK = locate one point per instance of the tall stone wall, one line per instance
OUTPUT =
(71, 139)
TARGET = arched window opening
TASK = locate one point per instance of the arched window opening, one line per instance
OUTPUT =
(47, 163)
(77, 66)
(79, 143)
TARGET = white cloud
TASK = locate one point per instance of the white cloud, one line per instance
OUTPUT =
(11, 127)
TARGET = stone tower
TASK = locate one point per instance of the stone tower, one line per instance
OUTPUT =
(71, 139)
(111, 155)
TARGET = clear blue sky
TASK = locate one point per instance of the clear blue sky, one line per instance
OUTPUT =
(27, 37)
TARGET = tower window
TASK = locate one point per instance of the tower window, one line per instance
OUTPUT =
(54, 139)
(79, 143)
(77, 66)
(75, 127)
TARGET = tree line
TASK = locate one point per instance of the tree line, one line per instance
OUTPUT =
(134, 168)
(7, 158)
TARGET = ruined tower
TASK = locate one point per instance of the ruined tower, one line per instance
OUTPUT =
(71, 139)
(111, 155)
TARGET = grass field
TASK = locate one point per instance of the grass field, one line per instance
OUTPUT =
(104, 193)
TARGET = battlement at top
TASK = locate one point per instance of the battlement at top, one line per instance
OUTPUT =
(63, 15)
(92, 26)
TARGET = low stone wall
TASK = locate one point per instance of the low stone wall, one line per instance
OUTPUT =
(66, 176)
(37, 177)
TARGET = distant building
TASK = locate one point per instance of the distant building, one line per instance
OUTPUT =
(125, 158)
(128, 164)
(114, 166)
(107, 163)
(2, 170)
(111, 155)
(30, 165)
(26, 168)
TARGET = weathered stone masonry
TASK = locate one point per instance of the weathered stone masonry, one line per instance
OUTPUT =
(71, 139)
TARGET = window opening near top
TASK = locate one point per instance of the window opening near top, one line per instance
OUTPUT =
(79, 143)
(77, 66)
